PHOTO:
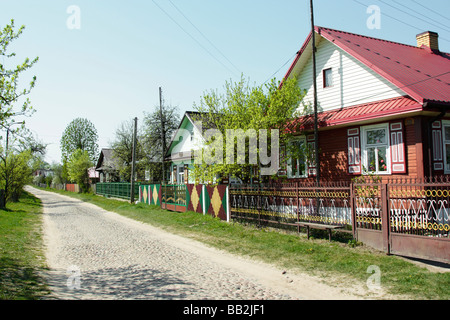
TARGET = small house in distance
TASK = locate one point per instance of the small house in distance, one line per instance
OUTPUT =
(180, 153)
(105, 166)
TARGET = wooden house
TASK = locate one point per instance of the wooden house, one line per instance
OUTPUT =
(105, 167)
(383, 107)
(180, 153)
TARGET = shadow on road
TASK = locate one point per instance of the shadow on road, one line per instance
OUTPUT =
(117, 284)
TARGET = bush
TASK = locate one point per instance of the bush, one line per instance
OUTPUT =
(15, 174)
(77, 169)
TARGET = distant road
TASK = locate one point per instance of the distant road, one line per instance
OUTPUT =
(96, 254)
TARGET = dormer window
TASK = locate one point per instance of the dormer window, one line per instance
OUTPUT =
(327, 78)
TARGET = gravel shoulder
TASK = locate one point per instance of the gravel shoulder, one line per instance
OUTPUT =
(96, 254)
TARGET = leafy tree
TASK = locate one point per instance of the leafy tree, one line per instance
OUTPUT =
(152, 140)
(80, 134)
(20, 156)
(10, 91)
(77, 168)
(242, 114)
(15, 171)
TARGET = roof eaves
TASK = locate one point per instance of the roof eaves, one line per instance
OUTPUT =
(299, 53)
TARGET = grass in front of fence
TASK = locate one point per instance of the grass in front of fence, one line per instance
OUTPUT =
(338, 261)
(21, 250)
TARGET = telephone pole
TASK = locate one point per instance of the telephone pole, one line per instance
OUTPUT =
(316, 130)
(133, 162)
(163, 136)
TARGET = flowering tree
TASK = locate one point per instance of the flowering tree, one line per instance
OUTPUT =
(15, 171)
(11, 94)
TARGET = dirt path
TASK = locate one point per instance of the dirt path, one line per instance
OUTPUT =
(96, 254)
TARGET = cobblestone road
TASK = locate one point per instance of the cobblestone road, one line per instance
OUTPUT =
(95, 254)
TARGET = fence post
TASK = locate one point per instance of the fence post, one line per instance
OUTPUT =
(227, 194)
(298, 204)
(353, 211)
(204, 199)
(385, 223)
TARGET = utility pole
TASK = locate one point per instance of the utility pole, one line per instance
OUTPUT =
(316, 130)
(133, 162)
(163, 136)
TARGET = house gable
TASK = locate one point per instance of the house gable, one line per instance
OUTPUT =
(186, 139)
(352, 82)
(423, 74)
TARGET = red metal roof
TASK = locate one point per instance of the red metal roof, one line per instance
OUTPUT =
(367, 111)
(421, 73)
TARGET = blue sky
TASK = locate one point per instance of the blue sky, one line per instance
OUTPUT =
(110, 69)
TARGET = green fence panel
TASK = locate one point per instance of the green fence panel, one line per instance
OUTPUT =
(117, 189)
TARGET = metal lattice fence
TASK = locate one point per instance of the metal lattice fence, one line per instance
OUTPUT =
(290, 203)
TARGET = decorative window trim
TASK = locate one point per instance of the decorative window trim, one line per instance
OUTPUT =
(365, 146)
(442, 154)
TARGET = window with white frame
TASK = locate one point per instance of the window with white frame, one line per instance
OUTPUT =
(296, 161)
(375, 149)
(446, 144)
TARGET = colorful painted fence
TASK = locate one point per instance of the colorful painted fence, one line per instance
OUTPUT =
(212, 200)
(150, 194)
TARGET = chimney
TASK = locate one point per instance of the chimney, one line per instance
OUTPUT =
(428, 39)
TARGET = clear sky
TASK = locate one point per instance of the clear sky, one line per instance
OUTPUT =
(110, 68)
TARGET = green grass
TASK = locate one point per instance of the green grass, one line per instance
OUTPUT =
(21, 250)
(333, 260)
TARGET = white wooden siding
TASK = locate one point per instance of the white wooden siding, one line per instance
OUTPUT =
(187, 144)
(353, 82)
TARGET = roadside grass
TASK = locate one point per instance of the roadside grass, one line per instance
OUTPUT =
(343, 262)
(21, 250)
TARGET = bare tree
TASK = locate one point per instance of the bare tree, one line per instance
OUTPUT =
(152, 142)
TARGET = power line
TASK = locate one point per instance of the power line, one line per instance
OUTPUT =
(419, 18)
(420, 13)
(280, 68)
(405, 23)
(387, 91)
(203, 35)
(435, 12)
(184, 30)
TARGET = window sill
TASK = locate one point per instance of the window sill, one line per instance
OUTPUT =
(379, 173)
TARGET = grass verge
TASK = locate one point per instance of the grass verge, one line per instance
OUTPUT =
(21, 250)
(290, 251)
